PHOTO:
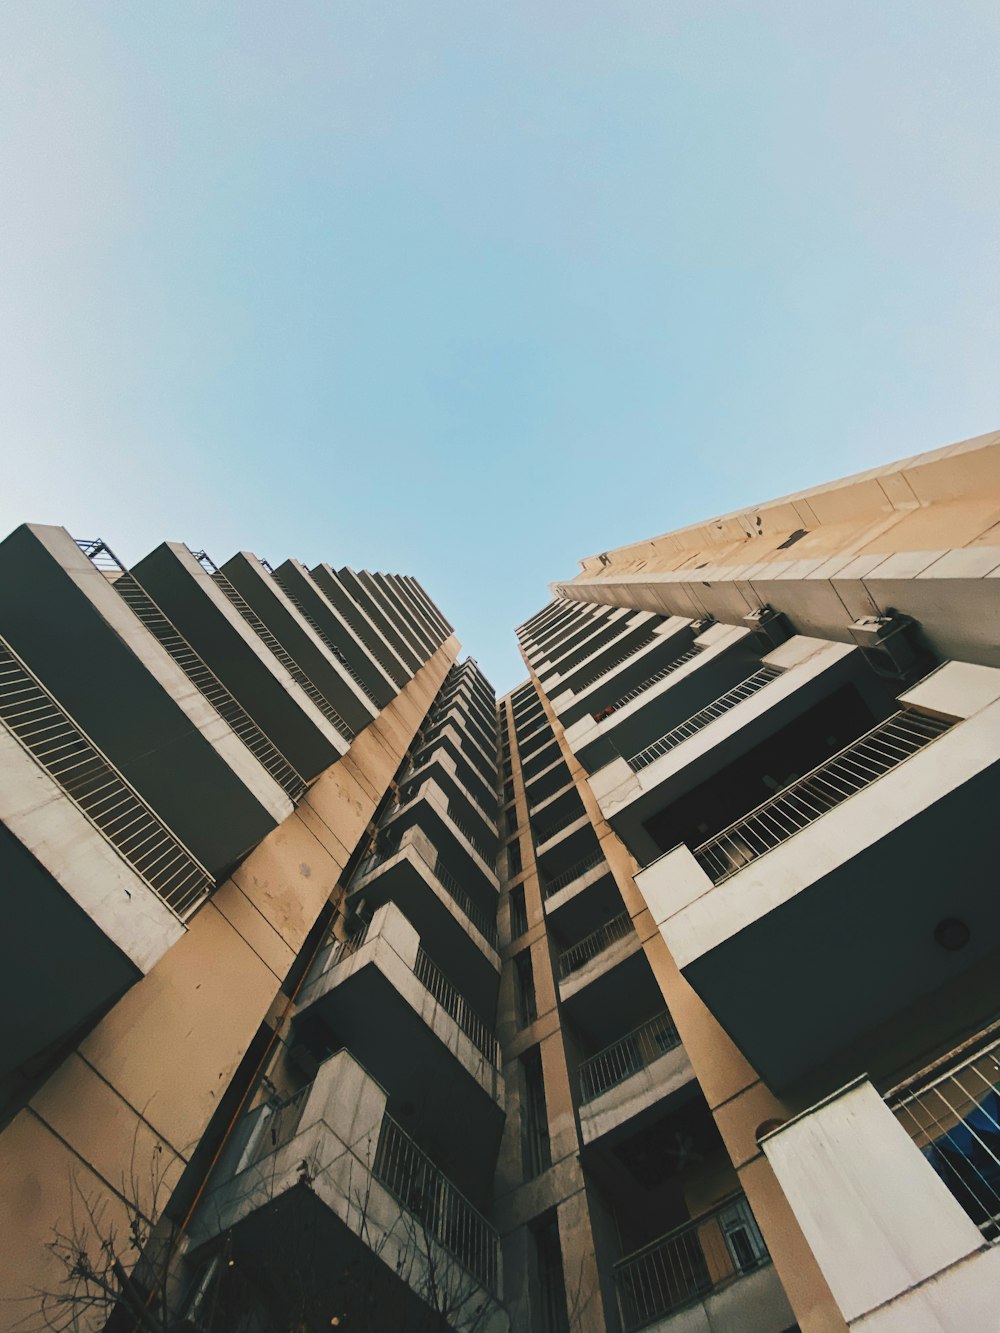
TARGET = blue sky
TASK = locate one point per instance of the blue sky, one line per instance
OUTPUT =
(474, 289)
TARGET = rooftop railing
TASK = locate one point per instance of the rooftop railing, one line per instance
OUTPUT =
(439, 1206)
(692, 725)
(952, 1112)
(680, 660)
(688, 1263)
(627, 1056)
(98, 790)
(578, 955)
(240, 604)
(455, 1004)
(849, 771)
(552, 884)
(201, 676)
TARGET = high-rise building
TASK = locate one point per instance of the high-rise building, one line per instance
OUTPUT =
(663, 994)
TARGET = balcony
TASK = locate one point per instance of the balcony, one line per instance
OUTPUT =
(719, 1261)
(582, 963)
(631, 1075)
(559, 888)
(838, 885)
(238, 656)
(891, 1221)
(333, 1173)
(96, 886)
(951, 1111)
(606, 638)
(444, 762)
(390, 1003)
(133, 698)
(359, 662)
(591, 689)
(461, 844)
(310, 660)
(358, 585)
(340, 597)
(448, 741)
(461, 935)
(724, 711)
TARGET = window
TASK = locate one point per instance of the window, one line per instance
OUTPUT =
(518, 912)
(524, 989)
(743, 1240)
(554, 1316)
(513, 858)
(536, 1154)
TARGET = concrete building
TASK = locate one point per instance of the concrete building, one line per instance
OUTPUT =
(663, 994)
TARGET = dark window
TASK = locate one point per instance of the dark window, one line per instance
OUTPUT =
(536, 1155)
(513, 858)
(518, 912)
(554, 1316)
(524, 989)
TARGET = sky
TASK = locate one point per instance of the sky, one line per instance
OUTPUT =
(472, 289)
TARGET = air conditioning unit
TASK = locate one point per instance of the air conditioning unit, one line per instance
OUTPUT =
(769, 626)
(700, 626)
(888, 642)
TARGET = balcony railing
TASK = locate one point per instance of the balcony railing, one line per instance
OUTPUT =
(440, 1208)
(576, 871)
(98, 790)
(488, 856)
(718, 708)
(578, 955)
(243, 607)
(687, 1264)
(285, 584)
(627, 1056)
(486, 927)
(279, 1126)
(201, 676)
(952, 1113)
(644, 685)
(543, 832)
(454, 1003)
(851, 770)
(587, 681)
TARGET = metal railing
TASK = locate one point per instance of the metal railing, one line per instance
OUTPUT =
(455, 1004)
(462, 900)
(849, 771)
(201, 676)
(543, 832)
(488, 855)
(577, 870)
(577, 955)
(441, 1209)
(279, 1126)
(240, 604)
(473, 789)
(625, 1057)
(644, 685)
(952, 1113)
(586, 683)
(98, 790)
(692, 725)
(688, 1263)
(336, 950)
(285, 584)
